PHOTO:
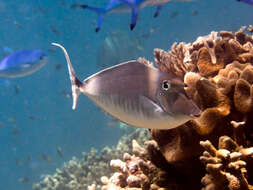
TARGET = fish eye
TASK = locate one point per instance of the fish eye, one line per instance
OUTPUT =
(165, 85)
(41, 57)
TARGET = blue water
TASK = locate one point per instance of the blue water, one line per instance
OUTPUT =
(35, 114)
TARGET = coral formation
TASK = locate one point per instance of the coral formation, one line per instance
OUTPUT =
(220, 86)
(218, 73)
(135, 171)
(145, 169)
(227, 165)
(79, 174)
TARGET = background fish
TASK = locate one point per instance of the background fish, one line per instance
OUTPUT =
(120, 6)
(250, 2)
(22, 63)
(124, 6)
(119, 46)
(136, 5)
(114, 6)
(23, 179)
(59, 151)
(137, 94)
(5, 51)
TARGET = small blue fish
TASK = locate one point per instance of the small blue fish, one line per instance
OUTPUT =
(250, 2)
(137, 94)
(22, 63)
(5, 51)
(123, 6)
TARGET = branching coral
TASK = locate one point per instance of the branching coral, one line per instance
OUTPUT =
(133, 172)
(78, 174)
(178, 60)
(220, 86)
(226, 166)
(140, 170)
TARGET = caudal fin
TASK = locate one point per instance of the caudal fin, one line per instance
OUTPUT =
(134, 16)
(75, 82)
(158, 10)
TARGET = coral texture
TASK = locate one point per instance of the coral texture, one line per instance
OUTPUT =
(218, 72)
(145, 169)
(135, 171)
(226, 166)
(79, 174)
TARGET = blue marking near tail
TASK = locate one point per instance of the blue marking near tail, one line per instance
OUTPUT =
(134, 5)
(99, 21)
(158, 10)
(135, 13)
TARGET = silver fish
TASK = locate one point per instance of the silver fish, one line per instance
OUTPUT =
(137, 94)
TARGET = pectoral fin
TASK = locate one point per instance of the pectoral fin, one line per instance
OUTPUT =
(150, 105)
(186, 106)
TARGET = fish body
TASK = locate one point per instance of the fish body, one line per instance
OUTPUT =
(250, 2)
(23, 179)
(45, 157)
(22, 63)
(125, 6)
(136, 5)
(59, 151)
(136, 94)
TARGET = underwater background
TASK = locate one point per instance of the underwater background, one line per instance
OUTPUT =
(36, 117)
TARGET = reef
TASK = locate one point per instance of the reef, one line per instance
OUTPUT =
(78, 174)
(226, 166)
(218, 73)
(211, 152)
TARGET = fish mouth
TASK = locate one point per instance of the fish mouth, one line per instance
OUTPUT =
(196, 112)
